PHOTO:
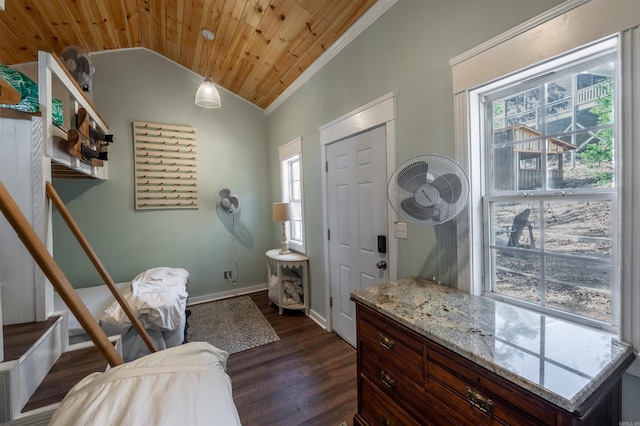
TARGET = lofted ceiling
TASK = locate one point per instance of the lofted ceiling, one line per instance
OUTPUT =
(260, 46)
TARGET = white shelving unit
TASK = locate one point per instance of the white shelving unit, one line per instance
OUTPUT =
(277, 262)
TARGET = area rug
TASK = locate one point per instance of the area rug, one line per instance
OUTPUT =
(234, 325)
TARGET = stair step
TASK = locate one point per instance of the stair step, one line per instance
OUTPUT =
(30, 350)
(19, 338)
(71, 367)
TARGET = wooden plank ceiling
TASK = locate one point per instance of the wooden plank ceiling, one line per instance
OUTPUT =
(260, 46)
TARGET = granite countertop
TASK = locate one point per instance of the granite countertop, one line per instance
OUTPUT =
(557, 360)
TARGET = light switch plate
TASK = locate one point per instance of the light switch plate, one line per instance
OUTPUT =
(401, 230)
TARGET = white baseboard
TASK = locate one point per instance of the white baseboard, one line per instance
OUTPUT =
(226, 294)
(89, 344)
(318, 319)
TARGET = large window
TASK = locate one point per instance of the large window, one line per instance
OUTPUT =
(291, 181)
(553, 81)
(549, 201)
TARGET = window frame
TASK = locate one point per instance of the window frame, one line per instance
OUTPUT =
(480, 145)
(287, 154)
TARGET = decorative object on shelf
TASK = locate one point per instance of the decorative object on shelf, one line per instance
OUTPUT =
(207, 95)
(283, 212)
(89, 144)
(166, 175)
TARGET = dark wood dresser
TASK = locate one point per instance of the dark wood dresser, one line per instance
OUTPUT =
(411, 374)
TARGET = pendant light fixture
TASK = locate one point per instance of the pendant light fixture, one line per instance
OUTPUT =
(207, 95)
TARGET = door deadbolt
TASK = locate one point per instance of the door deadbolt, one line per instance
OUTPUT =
(382, 264)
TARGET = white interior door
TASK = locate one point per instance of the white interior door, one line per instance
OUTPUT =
(357, 216)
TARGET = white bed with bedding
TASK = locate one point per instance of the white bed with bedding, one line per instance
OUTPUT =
(157, 296)
(185, 385)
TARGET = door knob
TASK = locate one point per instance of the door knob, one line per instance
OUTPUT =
(382, 264)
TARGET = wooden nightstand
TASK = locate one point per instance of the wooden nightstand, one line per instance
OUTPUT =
(276, 262)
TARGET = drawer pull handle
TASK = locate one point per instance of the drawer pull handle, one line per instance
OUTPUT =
(386, 341)
(387, 380)
(480, 402)
(384, 421)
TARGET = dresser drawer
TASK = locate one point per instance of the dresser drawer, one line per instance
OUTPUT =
(378, 409)
(391, 383)
(401, 394)
(410, 374)
(400, 346)
(469, 396)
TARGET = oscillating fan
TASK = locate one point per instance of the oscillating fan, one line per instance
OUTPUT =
(428, 189)
(77, 62)
(227, 202)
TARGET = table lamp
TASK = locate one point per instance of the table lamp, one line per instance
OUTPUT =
(283, 212)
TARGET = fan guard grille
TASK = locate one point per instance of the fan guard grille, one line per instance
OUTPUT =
(428, 189)
(78, 63)
(227, 202)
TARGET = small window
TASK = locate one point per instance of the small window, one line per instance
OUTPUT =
(291, 182)
(549, 197)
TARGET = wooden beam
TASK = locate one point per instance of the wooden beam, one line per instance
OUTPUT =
(93, 257)
(57, 278)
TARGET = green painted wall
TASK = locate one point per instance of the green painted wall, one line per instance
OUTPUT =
(406, 51)
(139, 85)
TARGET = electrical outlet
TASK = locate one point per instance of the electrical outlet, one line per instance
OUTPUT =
(401, 230)
(227, 275)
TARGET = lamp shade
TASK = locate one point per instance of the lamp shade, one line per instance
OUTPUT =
(282, 212)
(207, 95)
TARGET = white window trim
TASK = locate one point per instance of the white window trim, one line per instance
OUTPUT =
(581, 24)
(286, 151)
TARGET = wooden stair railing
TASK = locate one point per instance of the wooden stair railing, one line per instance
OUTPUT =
(57, 278)
(84, 243)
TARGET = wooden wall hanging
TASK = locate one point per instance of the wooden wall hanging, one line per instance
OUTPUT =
(165, 166)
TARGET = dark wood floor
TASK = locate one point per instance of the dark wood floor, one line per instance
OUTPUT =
(306, 378)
